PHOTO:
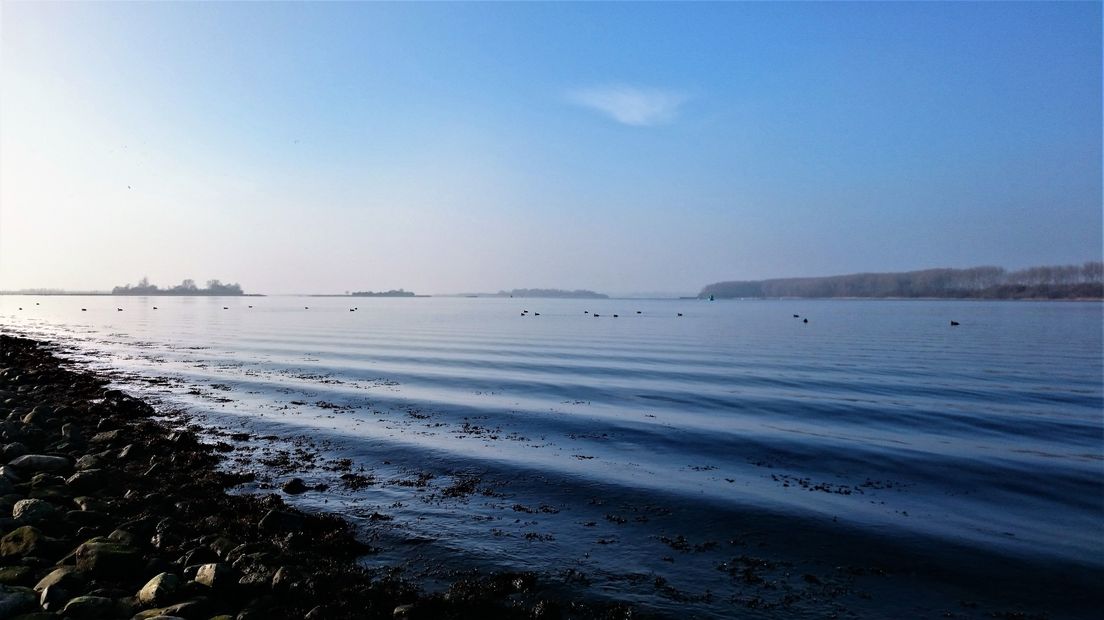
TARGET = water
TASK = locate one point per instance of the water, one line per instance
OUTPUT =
(874, 460)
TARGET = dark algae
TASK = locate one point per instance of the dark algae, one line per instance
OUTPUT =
(106, 511)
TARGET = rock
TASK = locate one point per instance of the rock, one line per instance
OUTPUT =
(123, 536)
(280, 521)
(66, 576)
(44, 480)
(16, 575)
(403, 611)
(199, 555)
(22, 541)
(53, 598)
(90, 608)
(31, 511)
(88, 461)
(108, 437)
(94, 504)
(295, 486)
(318, 613)
(40, 463)
(71, 433)
(107, 559)
(198, 607)
(87, 518)
(40, 415)
(89, 480)
(13, 450)
(6, 486)
(217, 576)
(14, 600)
(160, 590)
(10, 474)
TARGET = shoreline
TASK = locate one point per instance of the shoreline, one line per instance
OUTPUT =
(116, 514)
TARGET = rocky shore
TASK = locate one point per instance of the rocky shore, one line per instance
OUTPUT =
(107, 512)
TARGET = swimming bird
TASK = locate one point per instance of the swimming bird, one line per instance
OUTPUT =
(615, 316)
(306, 307)
(804, 320)
(586, 311)
(84, 309)
(680, 314)
(225, 308)
(155, 307)
(596, 315)
(639, 312)
(536, 314)
(250, 306)
(797, 316)
(118, 309)
(21, 308)
(954, 323)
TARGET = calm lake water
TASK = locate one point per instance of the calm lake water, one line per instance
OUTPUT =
(731, 461)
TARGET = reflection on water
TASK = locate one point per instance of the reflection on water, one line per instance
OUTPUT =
(672, 461)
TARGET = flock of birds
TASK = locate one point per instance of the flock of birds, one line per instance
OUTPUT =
(523, 313)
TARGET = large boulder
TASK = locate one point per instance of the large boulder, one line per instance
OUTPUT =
(90, 608)
(67, 577)
(15, 600)
(34, 463)
(103, 558)
(31, 511)
(217, 576)
(22, 541)
(160, 590)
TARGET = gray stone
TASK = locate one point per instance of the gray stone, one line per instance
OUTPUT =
(40, 463)
(10, 474)
(89, 480)
(22, 541)
(14, 600)
(13, 450)
(31, 511)
(217, 576)
(89, 608)
(88, 461)
(53, 598)
(108, 559)
(160, 590)
(66, 576)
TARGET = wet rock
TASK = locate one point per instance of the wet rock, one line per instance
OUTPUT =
(107, 438)
(87, 518)
(199, 555)
(160, 590)
(10, 474)
(295, 486)
(39, 416)
(13, 450)
(53, 598)
(14, 600)
(22, 541)
(108, 559)
(198, 607)
(6, 486)
(89, 480)
(403, 611)
(122, 536)
(89, 608)
(217, 576)
(16, 575)
(66, 577)
(31, 463)
(93, 504)
(71, 433)
(88, 461)
(32, 511)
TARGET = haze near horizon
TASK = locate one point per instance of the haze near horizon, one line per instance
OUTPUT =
(451, 148)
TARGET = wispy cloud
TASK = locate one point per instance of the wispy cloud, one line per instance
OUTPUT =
(629, 104)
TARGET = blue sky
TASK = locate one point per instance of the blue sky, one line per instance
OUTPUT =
(472, 147)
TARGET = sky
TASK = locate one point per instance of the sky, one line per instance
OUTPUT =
(449, 148)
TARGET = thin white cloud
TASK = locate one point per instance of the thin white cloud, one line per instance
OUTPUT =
(630, 105)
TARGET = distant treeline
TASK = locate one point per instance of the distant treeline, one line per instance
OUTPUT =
(552, 292)
(187, 287)
(1056, 282)
(391, 293)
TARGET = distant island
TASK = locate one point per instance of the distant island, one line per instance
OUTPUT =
(391, 293)
(1049, 282)
(551, 292)
(185, 288)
